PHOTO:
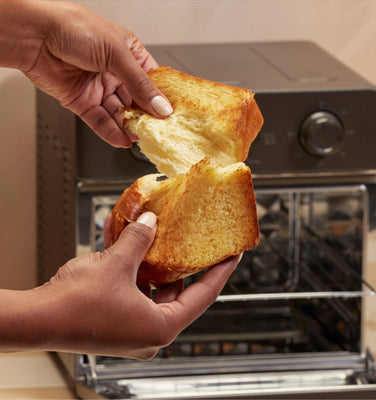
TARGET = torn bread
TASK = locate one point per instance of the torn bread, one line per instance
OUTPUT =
(209, 120)
(204, 216)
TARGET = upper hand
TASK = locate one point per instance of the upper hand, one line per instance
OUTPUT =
(94, 67)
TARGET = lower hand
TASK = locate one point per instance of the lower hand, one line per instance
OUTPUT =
(96, 306)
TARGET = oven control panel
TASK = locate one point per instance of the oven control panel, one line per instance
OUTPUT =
(318, 114)
(316, 132)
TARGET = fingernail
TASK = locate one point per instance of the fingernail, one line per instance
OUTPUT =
(161, 106)
(148, 218)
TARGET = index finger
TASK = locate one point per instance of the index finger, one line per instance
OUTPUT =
(197, 298)
(130, 67)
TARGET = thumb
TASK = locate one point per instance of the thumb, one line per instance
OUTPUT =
(130, 67)
(143, 90)
(135, 240)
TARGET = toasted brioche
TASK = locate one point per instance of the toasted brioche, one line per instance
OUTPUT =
(204, 216)
(209, 119)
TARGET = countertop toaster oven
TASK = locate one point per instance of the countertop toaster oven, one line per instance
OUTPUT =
(290, 321)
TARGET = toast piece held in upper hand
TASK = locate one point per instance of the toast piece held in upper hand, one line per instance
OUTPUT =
(204, 217)
(209, 119)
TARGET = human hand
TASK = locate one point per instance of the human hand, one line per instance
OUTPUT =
(94, 67)
(95, 306)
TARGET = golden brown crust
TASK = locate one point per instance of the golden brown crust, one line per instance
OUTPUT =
(127, 209)
(249, 127)
(207, 213)
(204, 217)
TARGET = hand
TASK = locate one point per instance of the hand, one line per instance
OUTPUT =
(94, 67)
(96, 307)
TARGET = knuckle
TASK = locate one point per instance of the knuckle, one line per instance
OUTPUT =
(160, 332)
(148, 354)
(161, 339)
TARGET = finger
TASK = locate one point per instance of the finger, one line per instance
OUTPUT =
(145, 93)
(143, 57)
(126, 99)
(103, 124)
(195, 299)
(131, 135)
(124, 95)
(134, 241)
(112, 105)
(139, 85)
(169, 293)
(115, 97)
(142, 354)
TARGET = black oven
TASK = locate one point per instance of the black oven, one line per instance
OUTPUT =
(290, 321)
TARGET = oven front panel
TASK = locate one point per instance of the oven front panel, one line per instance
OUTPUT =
(297, 295)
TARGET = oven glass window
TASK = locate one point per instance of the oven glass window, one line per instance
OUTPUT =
(312, 242)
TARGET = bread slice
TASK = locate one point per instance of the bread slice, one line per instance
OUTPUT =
(204, 216)
(209, 119)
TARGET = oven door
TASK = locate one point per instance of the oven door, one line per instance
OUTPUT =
(288, 323)
(308, 376)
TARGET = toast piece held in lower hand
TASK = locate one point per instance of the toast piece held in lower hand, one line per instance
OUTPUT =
(204, 217)
(209, 120)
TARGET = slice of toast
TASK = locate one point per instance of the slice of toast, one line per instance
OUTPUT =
(204, 216)
(209, 120)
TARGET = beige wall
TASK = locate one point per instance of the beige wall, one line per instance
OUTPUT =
(345, 28)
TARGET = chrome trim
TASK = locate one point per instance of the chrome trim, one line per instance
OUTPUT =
(296, 295)
(131, 369)
(242, 386)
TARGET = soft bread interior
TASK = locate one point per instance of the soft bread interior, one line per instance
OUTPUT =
(175, 143)
(206, 210)
(209, 120)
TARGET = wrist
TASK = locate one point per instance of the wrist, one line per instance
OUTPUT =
(22, 327)
(37, 320)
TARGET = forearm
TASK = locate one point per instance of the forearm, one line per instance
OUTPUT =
(23, 26)
(25, 320)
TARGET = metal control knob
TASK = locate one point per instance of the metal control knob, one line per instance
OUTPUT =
(322, 134)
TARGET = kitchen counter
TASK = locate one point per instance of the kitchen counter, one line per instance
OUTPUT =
(33, 375)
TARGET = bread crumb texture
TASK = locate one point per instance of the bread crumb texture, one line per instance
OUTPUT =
(222, 211)
(206, 210)
(209, 119)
